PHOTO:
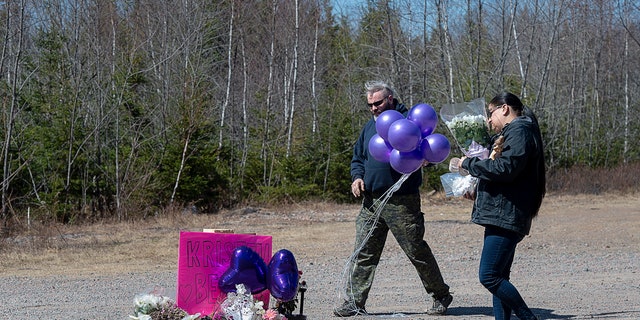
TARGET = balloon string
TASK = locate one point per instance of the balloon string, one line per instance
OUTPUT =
(346, 285)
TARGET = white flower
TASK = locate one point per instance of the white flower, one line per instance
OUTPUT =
(148, 303)
(247, 313)
(467, 129)
(241, 305)
(259, 306)
(458, 120)
(240, 289)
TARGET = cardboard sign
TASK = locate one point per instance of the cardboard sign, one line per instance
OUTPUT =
(203, 257)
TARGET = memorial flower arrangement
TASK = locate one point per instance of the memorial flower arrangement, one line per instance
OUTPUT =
(156, 306)
(469, 130)
(467, 122)
(247, 275)
(239, 305)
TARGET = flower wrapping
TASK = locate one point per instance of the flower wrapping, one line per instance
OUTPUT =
(455, 184)
(467, 123)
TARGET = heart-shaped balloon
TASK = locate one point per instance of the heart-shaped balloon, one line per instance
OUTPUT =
(283, 276)
(248, 268)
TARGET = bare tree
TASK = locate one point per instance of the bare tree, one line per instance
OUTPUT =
(446, 54)
(13, 46)
(625, 10)
(625, 149)
(267, 170)
(314, 62)
(294, 81)
(245, 118)
(225, 103)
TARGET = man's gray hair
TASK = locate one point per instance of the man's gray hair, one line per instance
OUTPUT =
(377, 85)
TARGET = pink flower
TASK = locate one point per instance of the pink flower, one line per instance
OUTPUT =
(270, 314)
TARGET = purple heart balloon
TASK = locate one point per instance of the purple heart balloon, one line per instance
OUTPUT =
(385, 120)
(425, 117)
(283, 276)
(435, 148)
(379, 149)
(248, 268)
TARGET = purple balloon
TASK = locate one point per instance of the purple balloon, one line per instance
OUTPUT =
(385, 120)
(248, 268)
(406, 162)
(283, 276)
(379, 149)
(425, 117)
(404, 135)
(435, 148)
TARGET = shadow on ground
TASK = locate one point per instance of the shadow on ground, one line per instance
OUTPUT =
(478, 311)
(546, 314)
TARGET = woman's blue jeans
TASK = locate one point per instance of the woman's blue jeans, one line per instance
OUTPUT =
(495, 266)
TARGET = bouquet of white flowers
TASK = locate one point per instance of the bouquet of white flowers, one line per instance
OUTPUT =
(155, 305)
(240, 305)
(467, 122)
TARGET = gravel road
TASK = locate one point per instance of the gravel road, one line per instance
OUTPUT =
(581, 261)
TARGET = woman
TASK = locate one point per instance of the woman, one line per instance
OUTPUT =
(508, 196)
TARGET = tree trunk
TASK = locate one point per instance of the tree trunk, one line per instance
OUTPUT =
(12, 82)
(446, 47)
(225, 103)
(294, 80)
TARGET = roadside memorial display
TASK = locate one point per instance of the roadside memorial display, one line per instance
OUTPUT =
(224, 276)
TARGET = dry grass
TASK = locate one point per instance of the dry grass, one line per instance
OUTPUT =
(584, 180)
(95, 247)
(138, 245)
(135, 245)
(110, 247)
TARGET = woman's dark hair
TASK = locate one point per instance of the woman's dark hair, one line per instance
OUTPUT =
(508, 98)
(514, 102)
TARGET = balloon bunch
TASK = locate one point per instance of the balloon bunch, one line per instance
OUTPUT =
(406, 142)
(247, 267)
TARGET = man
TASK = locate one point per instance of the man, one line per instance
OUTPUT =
(401, 215)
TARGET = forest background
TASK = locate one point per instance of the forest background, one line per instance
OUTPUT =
(123, 109)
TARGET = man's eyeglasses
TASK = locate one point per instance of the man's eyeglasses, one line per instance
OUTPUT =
(377, 103)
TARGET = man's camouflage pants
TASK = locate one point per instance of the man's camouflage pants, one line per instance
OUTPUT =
(402, 216)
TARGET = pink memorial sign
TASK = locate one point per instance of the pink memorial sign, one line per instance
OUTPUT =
(203, 257)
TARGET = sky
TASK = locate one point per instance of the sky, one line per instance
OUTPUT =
(346, 7)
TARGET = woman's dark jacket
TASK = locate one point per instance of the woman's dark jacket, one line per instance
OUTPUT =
(511, 187)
